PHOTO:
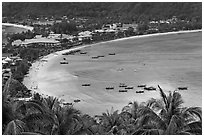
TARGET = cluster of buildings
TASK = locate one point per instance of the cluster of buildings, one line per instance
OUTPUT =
(154, 24)
(7, 64)
(115, 27)
(54, 39)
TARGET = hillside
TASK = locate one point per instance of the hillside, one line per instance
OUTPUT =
(118, 10)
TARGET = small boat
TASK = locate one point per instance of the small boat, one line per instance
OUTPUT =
(111, 54)
(83, 52)
(65, 53)
(67, 103)
(140, 91)
(77, 100)
(86, 85)
(122, 90)
(108, 88)
(129, 87)
(142, 85)
(101, 56)
(44, 60)
(64, 62)
(94, 57)
(182, 88)
(122, 86)
(150, 88)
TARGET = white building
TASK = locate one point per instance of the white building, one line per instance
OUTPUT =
(84, 35)
(40, 42)
(16, 42)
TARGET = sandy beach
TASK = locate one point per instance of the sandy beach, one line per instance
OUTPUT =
(167, 59)
(20, 26)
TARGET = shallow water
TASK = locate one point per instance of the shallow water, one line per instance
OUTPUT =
(169, 61)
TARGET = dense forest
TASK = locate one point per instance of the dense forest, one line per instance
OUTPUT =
(132, 11)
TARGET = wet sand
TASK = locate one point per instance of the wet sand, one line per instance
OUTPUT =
(168, 60)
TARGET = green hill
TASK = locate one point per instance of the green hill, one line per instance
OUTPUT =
(116, 10)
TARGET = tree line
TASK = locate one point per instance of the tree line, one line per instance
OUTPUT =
(118, 11)
(46, 116)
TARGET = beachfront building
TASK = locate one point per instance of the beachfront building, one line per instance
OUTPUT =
(9, 63)
(60, 37)
(16, 42)
(40, 42)
(127, 26)
(37, 41)
(85, 35)
(109, 26)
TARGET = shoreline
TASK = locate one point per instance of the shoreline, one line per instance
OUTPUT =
(31, 82)
(127, 38)
(19, 26)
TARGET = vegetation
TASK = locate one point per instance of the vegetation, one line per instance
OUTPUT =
(41, 115)
(20, 70)
(64, 28)
(106, 11)
(22, 36)
(47, 115)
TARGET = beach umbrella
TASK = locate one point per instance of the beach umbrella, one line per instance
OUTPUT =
(8, 59)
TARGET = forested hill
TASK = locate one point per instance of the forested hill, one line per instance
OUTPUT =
(119, 10)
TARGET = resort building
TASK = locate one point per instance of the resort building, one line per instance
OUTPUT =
(126, 26)
(86, 35)
(60, 36)
(16, 42)
(38, 41)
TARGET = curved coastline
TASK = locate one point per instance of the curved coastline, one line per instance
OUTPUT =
(31, 81)
(20, 26)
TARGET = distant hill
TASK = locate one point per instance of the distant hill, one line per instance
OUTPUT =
(117, 10)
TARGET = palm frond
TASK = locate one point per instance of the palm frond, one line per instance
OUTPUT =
(172, 127)
(29, 133)
(193, 126)
(15, 127)
(177, 100)
(195, 131)
(194, 111)
(184, 133)
(163, 95)
(152, 117)
(148, 132)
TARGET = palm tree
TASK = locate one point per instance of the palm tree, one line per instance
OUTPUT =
(131, 117)
(167, 116)
(110, 122)
(68, 120)
(20, 112)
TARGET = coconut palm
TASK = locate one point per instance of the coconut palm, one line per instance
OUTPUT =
(167, 116)
(131, 117)
(110, 122)
(57, 119)
(19, 112)
(30, 113)
(68, 120)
